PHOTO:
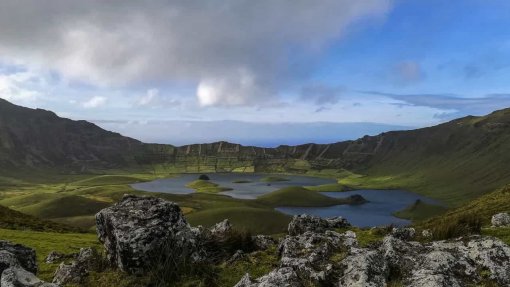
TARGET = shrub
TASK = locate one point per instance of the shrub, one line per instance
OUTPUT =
(203, 177)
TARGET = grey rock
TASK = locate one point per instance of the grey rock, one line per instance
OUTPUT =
(55, 257)
(238, 255)
(25, 255)
(76, 271)
(7, 260)
(501, 220)
(263, 242)
(404, 233)
(18, 277)
(426, 233)
(137, 230)
(221, 229)
(309, 253)
(364, 268)
(281, 277)
(303, 223)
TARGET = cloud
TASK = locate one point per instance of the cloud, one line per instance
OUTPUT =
(153, 99)
(94, 102)
(238, 52)
(20, 86)
(321, 94)
(408, 72)
(453, 105)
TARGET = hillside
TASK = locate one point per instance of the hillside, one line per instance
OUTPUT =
(39, 138)
(454, 162)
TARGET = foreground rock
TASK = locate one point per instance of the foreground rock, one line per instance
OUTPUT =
(139, 230)
(501, 220)
(304, 223)
(18, 266)
(78, 270)
(19, 277)
(56, 257)
(329, 258)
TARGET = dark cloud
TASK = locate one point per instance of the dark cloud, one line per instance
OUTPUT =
(237, 51)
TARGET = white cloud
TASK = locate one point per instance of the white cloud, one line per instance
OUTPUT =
(94, 102)
(153, 99)
(20, 87)
(207, 43)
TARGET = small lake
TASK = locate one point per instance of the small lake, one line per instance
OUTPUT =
(251, 189)
(376, 212)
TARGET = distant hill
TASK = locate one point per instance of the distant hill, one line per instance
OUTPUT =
(39, 138)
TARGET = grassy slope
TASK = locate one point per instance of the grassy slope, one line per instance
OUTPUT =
(454, 162)
(419, 211)
(12, 219)
(45, 242)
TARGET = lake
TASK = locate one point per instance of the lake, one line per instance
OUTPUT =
(376, 212)
(249, 190)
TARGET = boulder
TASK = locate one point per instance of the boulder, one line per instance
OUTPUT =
(78, 270)
(281, 277)
(24, 255)
(221, 229)
(404, 233)
(138, 230)
(19, 277)
(304, 223)
(55, 257)
(263, 242)
(238, 255)
(501, 220)
(363, 268)
(7, 260)
(310, 253)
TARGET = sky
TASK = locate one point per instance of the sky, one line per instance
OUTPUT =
(264, 72)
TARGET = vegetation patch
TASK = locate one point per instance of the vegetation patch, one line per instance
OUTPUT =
(242, 181)
(45, 242)
(301, 197)
(207, 186)
(332, 187)
(420, 210)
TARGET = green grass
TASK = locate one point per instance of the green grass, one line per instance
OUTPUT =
(66, 206)
(257, 264)
(108, 180)
(12, 219)
(300, 197)
(252, 219)
(420, 211)
(206, 186)
(502, 233)
(273, 179)
(45, 242)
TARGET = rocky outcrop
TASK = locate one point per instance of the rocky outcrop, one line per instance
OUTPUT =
(18, 266)
(137, 230)
(221, 229)
(501, 220)
(55, 257)
(304, 223)
(18, 277)
(78, 270)
(404, 233)
(263, 242)
(24, 255)
(284, 277)
(335, 259)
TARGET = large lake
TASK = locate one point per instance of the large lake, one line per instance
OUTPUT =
(376, 212)
(251, 189)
